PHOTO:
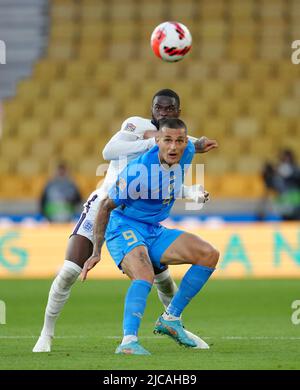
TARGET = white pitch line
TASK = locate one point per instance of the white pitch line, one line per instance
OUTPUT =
(35, 337)
(155, 337)
(224, 337)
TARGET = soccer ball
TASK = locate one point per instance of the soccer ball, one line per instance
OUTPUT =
(171, 41)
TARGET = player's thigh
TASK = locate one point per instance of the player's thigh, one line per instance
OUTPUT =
(190, 249)
(137, 264)
(79, 249)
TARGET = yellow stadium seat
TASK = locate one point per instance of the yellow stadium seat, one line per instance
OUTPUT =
(77, 71)
(262, 147)
(185, 9)
(216, 164)
(31, 129)
(210, 50)
(272, 50)
(6, 167)
(89, 51)
(228, 109)
(110, 70)
(213, 29)
(66, 30)
(30, 166)
(260, 108)
(275, 127)
(43, 148)
(45, 110)
(61, 130)
(11, 149)
(29, 89)
(60, 91)
(105, 109)
(15, 110)
(119, 51)
(213, 90)
(153, 10)
(259, 70)
(91, 129)
(121, 11)
(244, 89)
(245, 12)
(273, 89)
(229, 71)
(61, 51)
(123, 90)
(64, 12)
(214, 128)
(138, 70)
(242, 50)
(197, 108)
(235, 185)
(88, 165)
(76, 109)
(14, 187)
(94, 31)
(246, 127)
(211, 9)
(249, 164)
(243, 28)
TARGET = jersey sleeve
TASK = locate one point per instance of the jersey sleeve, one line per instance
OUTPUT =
(189, 152)
(134, 126)
(123, 144)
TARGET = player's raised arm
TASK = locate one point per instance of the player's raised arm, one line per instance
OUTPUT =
(203, 144)
(129, 139)
(122, 144)
(105, 208)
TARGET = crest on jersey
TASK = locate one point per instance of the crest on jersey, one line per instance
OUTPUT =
(130, 127)
(88, 226)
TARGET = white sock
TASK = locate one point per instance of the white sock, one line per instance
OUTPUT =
(168, 317)
(128, 339)
(59, 294)
(166, 287)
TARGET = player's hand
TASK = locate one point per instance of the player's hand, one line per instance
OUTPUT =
(207, 144)
(201, 196)
(88, 265)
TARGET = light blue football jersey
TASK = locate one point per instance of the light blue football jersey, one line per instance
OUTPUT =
(145, 190)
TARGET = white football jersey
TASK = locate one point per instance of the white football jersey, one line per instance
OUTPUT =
(127, 144)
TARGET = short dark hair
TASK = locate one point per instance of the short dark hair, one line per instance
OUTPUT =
(169, 93)
(172, 123)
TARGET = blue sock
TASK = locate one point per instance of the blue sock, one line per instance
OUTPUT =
(191, 284)
(135, 303)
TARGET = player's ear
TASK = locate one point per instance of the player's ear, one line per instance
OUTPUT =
(157, 137)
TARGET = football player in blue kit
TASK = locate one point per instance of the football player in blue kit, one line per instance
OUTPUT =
(129, 220)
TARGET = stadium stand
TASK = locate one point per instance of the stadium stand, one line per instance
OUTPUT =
(237, 85)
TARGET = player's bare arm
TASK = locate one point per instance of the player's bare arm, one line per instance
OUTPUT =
(105, 208)
(204, 144)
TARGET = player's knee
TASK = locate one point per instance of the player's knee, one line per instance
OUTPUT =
(210, 257)
(145, 276)
(215, 254)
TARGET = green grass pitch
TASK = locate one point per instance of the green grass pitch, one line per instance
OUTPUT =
(247, 324)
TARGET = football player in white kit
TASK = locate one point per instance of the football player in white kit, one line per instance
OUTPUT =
(134, 138)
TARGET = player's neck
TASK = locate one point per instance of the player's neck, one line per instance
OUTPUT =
(163, 163)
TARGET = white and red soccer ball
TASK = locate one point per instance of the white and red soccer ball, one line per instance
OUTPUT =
(171, 41)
